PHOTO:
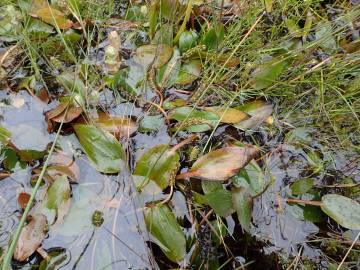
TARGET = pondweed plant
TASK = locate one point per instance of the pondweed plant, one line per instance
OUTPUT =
(270, 89)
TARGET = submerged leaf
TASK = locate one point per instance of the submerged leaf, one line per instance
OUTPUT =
(161, 223)
(23, 199)
(103, 150)
(221, 164)
(343, 210)
(159, 164)
(30, 238)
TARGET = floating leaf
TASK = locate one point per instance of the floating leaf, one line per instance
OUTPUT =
(343, 210)
(221, 164)
(117, 125)
(103, 150)
(220, 200)
(161, 223)
(188, 40)
(302, 186)
(159, 164)
(189, 72)
(307, 212)
(53, 16)
(210, 186)
(250, 177)
(30, 238)
(155, 55)
(228, 115)
(242, 203)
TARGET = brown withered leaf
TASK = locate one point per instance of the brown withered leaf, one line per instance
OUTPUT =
(30, 238)
(62, 164)
(60, 114)
(221, 164)
(228, 115)
(23, 199)
(52, 16)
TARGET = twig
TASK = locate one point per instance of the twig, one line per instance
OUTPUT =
(315, 203)
(184, 142)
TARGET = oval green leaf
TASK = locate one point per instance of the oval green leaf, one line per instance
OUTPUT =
(302, 186)
(343, 210)
(159, 164)
(242, 203)
(161, 223)
(103, 150)
(188, 40)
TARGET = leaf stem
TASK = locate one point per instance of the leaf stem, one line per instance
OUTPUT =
(315, 203)
(184, 142)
